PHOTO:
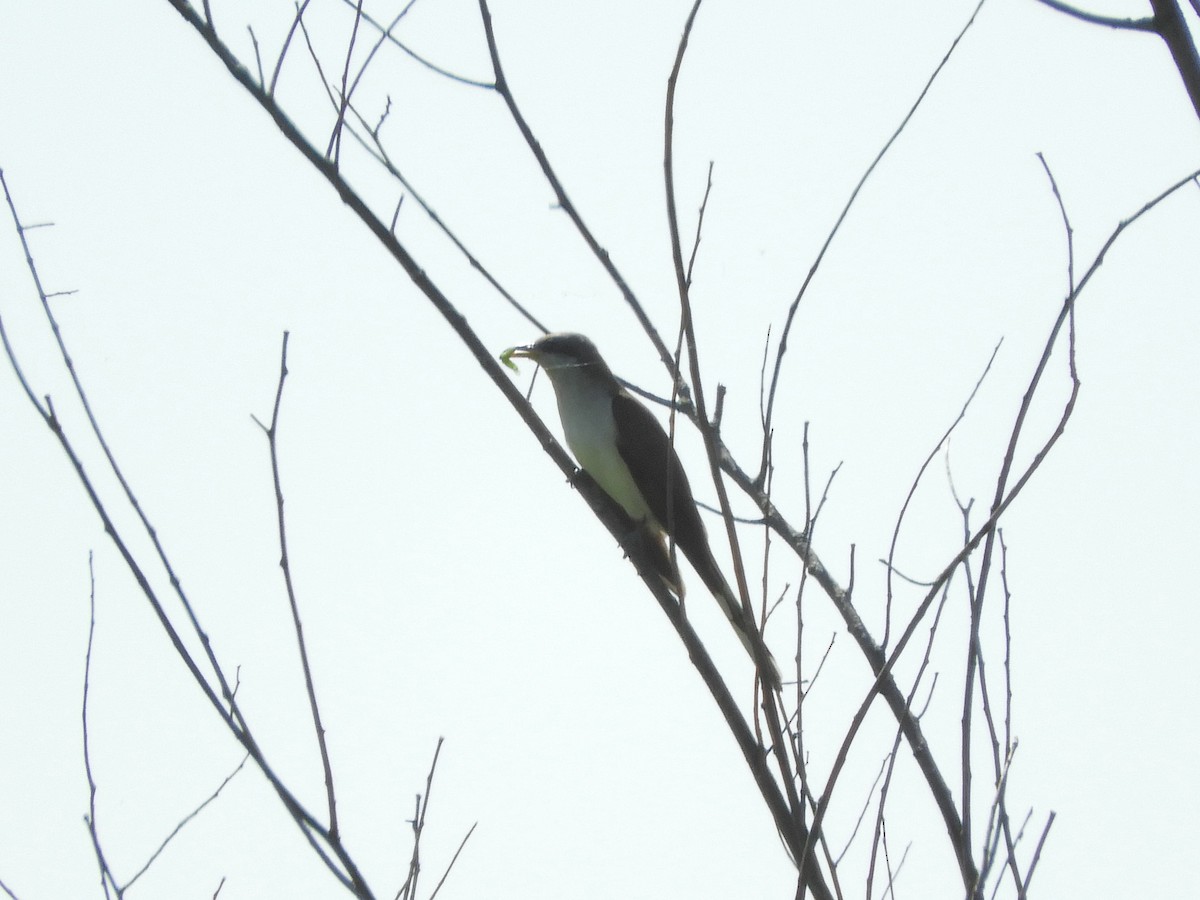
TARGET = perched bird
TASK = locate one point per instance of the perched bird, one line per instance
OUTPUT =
(625, 450)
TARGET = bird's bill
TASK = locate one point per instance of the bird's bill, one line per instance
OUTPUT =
(528, 351)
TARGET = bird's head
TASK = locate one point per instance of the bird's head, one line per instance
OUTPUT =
(559, 350)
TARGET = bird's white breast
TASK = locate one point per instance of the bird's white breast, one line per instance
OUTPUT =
(590, 430)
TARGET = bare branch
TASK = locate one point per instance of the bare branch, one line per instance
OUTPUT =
(453, 860)
(891, 558)
(1144, 24)
(1037, 853)
(433, 67)
(287, 41)
(106, 876)
(377, 151)
(184, 821)
(257, 55)
(334, 150)
(224, 702)
(795, 305)
(272, 433)
(408, 889)
(502, 87)
(1171, 26)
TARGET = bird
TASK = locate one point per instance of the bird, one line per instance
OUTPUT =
(621, 444)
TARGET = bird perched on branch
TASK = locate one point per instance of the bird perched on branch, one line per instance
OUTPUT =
(625, 450)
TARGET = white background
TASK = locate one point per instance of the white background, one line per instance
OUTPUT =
(451, 583)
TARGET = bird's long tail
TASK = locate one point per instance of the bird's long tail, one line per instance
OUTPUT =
(714, 580)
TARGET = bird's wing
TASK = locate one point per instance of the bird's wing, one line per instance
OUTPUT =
(670, 499)
(656, 470)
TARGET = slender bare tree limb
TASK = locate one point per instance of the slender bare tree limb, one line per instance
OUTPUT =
(1168, 23)
(1037, 853)
(334, 150)
(785, 332)
(891, 558)
(380, 154)
(1143, 24)
(222, 699)
(106, 875)
(453, 860)
(183, 823)
(408, 890)
(272, 434)
(287, 42)
(502, 87)
(433, 67)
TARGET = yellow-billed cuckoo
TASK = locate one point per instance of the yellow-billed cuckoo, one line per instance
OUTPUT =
(625, 450)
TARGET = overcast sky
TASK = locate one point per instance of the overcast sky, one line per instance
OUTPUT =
(452, 584)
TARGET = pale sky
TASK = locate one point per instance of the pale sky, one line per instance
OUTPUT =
(451, 583)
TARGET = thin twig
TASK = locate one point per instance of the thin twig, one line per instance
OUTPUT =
(433, 67)
(380, 154)
(221, 698)
(408, 890)
(862, 813)
(502, 87)
(997, 817)
(334, 150)
(287, 41)
(184, 821)
(912, 490)
(795, 305)
(257, 55)
(1143, 24)
(272, 433)
(1037, 853)
(106, 876)
(453, 860)
(708, 183)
